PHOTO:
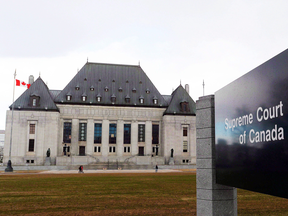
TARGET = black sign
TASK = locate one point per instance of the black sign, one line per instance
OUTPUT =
(251, 129)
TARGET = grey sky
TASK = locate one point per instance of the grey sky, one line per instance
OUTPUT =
(187, 40)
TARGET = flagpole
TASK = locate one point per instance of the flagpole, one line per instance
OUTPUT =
(9, 164)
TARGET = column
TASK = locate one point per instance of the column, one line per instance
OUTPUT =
(75, 137)
(212, 199)
(134, 138)
(105, 137)
(148, 137)
(90, 137)
(120, 136)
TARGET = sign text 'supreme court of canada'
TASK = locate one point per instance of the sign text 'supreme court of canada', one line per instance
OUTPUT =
(251, 129)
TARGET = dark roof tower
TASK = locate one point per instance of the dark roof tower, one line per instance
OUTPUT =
(181, 103)
(39, 91)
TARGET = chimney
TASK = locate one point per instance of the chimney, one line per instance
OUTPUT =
(187, 88)
(31, 79)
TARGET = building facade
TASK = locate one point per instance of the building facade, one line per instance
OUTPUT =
(107, 112)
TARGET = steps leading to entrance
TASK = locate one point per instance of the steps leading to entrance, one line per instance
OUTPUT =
(112, 166)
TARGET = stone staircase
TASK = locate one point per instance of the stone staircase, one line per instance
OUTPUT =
(112, 166)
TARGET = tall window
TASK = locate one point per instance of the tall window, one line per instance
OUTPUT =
(141, 133)
(97, 132)
(34, 102)
(155, 134)
(67, 132)
(31, 145)
(82, 131)
(32, 129)
(185, 146)
(112, 133)
(185, 139)
(127, 133)
(185, 131)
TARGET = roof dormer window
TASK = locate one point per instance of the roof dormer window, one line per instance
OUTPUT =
(98, 98)
(84, 97)
(77, 88)
(92, 88)
(127, 99)
(34, 100)
(141, 100)
(134, 90)
(68, 97)
(147, 91)
(106, 89)
(113, 99)
(120, 89)
(185, 106)
(155, 101)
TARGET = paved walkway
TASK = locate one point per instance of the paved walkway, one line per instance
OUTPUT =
(93, 171)
(109, 171)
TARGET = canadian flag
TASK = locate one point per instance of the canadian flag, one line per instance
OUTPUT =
(22, 83)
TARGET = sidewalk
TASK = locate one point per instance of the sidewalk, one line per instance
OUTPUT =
(108, 171)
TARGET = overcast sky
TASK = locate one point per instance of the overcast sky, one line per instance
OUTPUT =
(185, 41)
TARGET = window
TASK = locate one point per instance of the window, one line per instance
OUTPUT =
(185, 106)
(155, 134)
(84, 98)
(67, 132)
(77, 88)
(185, 138)
(92, 88)
(82, 131)
(97, 132)
(127, 99)
(98, 98)
(134, 90)
(147, 91)
(127, 133)
(126, 149)
(141, 100)
(113, 98)
(141, 133)
(120, 89)
(68, 97)
(34, 100)
(185, 129)
(112, 133)
(106, 89)
(31, 145)
(155, 101)
(32, 129)
(112, 149)
(97, 149)
(185, 146)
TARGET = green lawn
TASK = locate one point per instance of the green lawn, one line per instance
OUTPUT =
(117, 194)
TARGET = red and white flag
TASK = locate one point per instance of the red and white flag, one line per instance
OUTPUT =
(22, 83)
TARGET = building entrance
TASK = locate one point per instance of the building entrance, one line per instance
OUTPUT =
(81, 150)
(141, 151)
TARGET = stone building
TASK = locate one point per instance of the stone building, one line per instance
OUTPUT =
(107, 112)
